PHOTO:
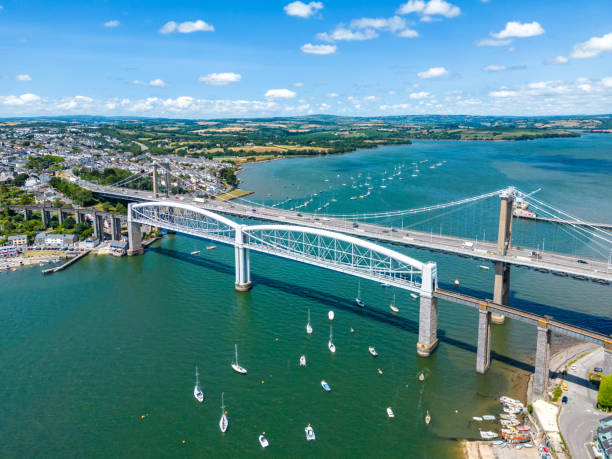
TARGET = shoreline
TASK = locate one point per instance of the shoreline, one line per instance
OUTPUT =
(521, 383)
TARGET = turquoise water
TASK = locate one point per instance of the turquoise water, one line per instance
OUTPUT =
(85, 353)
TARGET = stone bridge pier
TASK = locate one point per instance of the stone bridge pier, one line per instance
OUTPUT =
(134, 238)
(501, 289)
(483, 352)
(428, 312)
(540, 377)
(115, 228)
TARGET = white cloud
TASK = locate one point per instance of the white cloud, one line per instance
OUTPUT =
(503, 93)
(309, 48)
(516, 29)
(157, 82)
(344, 34)
(23, 77)
(369, 98)
(76, 102)
(393, 24)
(433, 72)
(24, 99)
(430, 8)
(492, 42)
(186, 27)
(280, 94)
(557, 60)
(220, 79)
(298, 84)
(1, 8)
(607, 82)
(333, 94)
(407, 33)
(593, 47)
(113, 23)
(494, 68)
(420, 95)
(303, 10)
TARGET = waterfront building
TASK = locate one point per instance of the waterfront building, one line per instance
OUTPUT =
(604, 437)
(55, 240)
(118, 248)
(19, 241)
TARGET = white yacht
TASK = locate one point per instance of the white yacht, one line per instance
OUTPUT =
(308, 326)
(358, 300)
(310, 435)
(223, 422)
(373, 351)
(263, 441)
(303, 361)
(390, 412)
(237, 368)
(392, 305)
(331, 345)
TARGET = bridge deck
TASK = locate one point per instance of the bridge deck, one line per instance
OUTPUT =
(556, 263)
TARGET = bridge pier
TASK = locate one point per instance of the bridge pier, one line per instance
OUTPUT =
(428, 312)
(98, 227)
(483, 353)
(540, 378)
(243, 263)
(44, 216)
(501, 289)
(27, 214)
(115, 228)
(607, 361)
(134, 238)
(60, 216)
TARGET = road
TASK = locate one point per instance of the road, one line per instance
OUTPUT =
(580, 417)
(556, 263)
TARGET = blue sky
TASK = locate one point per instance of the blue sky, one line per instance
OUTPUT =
(202, 59)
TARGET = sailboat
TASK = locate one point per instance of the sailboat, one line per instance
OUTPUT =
(197, 392)
(392, 305)
(237, 368)
(310, 435)
(223, 423)
(427, 418)
(303, 361)
(308, 326)
(390, 412)
(358, 300)
(331, 345)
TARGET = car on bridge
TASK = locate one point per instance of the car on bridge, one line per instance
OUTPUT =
(582, 262)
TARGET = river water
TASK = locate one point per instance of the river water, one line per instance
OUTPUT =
(86, 353)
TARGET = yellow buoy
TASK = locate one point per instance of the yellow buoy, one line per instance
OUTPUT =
(142, 417)
(276, 339)
(262, 381)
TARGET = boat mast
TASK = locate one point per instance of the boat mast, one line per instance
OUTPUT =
(197, 377)
(236, 348)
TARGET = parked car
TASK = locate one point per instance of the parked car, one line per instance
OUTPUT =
(355, 225)
(582, 262)
(564, 399)
(573, 367)
(598, 370)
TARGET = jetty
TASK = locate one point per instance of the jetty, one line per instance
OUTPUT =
(65, 265)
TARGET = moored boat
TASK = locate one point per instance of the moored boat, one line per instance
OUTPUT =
(197, 392)
(427, 418)
(390, 412)
(223, 422)
(237, 368)
(325, 386)
(303, 361)
(310, 435)
(308, 326)
(263, 441)
(373, 351)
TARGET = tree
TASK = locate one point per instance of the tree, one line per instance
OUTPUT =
(604, 396)
(19, 180)
(69, 223)
(120, 208)
(57, 202)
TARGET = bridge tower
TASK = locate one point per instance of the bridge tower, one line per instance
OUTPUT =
(428, 311)
(243, 263)
(155, 182)
(501, 289)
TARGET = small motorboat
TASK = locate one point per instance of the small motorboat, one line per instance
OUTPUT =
(352, 330)
(211, 247)
(237, 368)
(330, 315)
(303, 361)
(380, 372)
(477, 418)
(325, 386)
(414, 296)
(421, 376)
(456, 282)
(528, 445)
(373, 351)
(488, 417)
(310, 435)
(427, 418)
(330, 345)
(486, 268)
(308, 326)
(197, 392)
(263, 441)
(195, 252)
(390, 412)
(487, 435)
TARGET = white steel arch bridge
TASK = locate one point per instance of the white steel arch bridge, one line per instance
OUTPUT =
(314, 246)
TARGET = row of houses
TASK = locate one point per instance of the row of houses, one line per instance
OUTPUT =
(20, 241)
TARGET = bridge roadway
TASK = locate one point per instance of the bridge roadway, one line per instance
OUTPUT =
(556, 263)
